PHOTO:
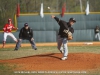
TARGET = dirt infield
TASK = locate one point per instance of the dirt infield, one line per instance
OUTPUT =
(55, 44)
(51, 61)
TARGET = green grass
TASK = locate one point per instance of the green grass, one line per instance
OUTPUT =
(6, 69)
(9, 53)
(84, 49)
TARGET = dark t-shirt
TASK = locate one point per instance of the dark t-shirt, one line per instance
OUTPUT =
(97, 30)
(25, 33)
(64, 27)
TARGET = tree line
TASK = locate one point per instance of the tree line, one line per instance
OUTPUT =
(8, 7)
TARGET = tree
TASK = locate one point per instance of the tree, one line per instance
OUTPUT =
(8, 7)
(7, 10)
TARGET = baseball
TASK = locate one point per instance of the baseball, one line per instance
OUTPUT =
(48, 7)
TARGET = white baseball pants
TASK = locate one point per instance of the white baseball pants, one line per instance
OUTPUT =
(97, 36)
(65, 47)
(9, 34)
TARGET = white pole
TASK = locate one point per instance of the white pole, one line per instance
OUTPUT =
(81, 6)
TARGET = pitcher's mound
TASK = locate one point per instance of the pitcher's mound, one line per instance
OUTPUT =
(52, 61)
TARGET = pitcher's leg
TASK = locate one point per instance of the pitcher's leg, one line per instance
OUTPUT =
(65, 47)
(59, 44)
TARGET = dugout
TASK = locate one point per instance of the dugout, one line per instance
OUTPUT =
(46, 29)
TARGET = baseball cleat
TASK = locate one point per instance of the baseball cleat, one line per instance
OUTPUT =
(35, 48)
(63, 58)
(15, 49)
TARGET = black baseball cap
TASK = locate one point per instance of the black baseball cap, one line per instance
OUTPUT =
(26, 24)
(72, 19)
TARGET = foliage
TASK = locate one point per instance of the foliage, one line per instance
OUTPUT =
(8, 7)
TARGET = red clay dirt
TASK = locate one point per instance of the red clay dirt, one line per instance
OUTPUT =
(52, 61)
(53, 44)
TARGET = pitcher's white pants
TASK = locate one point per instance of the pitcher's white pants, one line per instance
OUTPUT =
(9, 34)
(65, 47)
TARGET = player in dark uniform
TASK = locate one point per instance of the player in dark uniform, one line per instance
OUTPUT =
(65, 27)
(26, 33)
(97, 30)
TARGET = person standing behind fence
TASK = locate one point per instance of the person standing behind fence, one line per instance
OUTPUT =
(97, 35)
(26, 33)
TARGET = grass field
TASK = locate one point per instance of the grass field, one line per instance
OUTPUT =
(9, 53)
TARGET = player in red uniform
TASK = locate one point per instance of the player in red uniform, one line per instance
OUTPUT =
(7, 31)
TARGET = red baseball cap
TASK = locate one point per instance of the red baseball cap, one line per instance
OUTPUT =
(9, 20)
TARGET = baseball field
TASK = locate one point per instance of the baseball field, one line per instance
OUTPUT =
(83, 59)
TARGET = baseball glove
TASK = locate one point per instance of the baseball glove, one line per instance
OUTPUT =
(70, 37)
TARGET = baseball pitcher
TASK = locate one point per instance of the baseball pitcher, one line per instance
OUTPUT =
(65, 34)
